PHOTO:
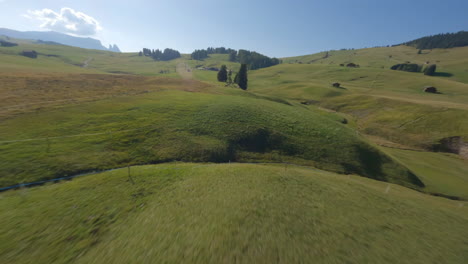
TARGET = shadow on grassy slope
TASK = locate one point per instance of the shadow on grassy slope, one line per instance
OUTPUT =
(197, 127)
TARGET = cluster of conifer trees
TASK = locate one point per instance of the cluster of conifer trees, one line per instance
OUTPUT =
(441, 41)
(409, 67)
(225, 75)
(204, 53)
(253, 59)
(199, 54)
(5, 43)
(166, 55)
(413, 67)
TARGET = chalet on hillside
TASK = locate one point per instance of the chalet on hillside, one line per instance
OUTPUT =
(430, 89)
(352, 65)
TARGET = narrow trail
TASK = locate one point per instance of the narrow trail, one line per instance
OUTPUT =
(184, 70)
(86, 62)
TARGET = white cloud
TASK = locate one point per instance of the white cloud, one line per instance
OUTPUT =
(67, 21)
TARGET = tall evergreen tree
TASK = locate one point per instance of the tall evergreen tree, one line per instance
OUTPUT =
(222, 74)
(241, 77)
(236, 78)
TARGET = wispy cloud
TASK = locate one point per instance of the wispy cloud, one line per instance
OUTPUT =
(66, 21)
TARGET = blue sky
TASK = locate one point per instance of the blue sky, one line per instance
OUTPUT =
(275, 28)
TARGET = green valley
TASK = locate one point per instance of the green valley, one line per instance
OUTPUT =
(325, 158)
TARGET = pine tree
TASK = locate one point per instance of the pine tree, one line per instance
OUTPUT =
(222, 74)
(236, 78)
(241, 77)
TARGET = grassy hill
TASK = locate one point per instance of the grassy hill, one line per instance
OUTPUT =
(229, 213)
(73, 111)
(168, 125)
(442, 173)
(451, 63)
(105, 103)
(384, 103)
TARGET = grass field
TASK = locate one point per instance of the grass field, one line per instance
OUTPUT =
(66, 59)
(171, 125)
(130, 109)
(383, 103)
(189, 213)
(451, 62)
(441, 172)
(73, 111)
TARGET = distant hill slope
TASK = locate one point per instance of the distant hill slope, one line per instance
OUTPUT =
(86, 43)
(440, 41)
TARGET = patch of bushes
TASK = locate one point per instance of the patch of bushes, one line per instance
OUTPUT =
(408, 67)
(4, 43)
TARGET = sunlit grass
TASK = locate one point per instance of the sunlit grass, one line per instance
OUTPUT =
(202, 213)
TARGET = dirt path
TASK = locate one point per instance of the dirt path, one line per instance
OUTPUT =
(86, 62)
(184, 70)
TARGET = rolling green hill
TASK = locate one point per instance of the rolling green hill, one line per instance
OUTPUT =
(384, 103)
(341, 174)
(202, 213)
(451, 63)
(177, 125)
(404, 120)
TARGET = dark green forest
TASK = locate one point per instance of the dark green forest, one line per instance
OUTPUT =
(440, 41)
(158, 55)
(253, 59)
(204, 53)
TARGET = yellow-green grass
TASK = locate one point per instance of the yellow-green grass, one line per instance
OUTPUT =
(379, 102)
(385, 103)
(176, 125)
(415, 125)
(59, 58)
(301, 81)
(452, 63)
(231, 213)
(441, 172)
(24, 92)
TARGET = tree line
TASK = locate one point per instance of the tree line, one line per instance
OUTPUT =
(440, 41)
(4, 43)
(158, 55)
(253, 59)
(204, 53)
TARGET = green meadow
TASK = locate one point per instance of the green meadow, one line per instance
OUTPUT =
(208, 213)
(183, 169)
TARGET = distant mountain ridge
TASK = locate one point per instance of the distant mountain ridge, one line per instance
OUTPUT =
(51, 36)
(440, 41)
